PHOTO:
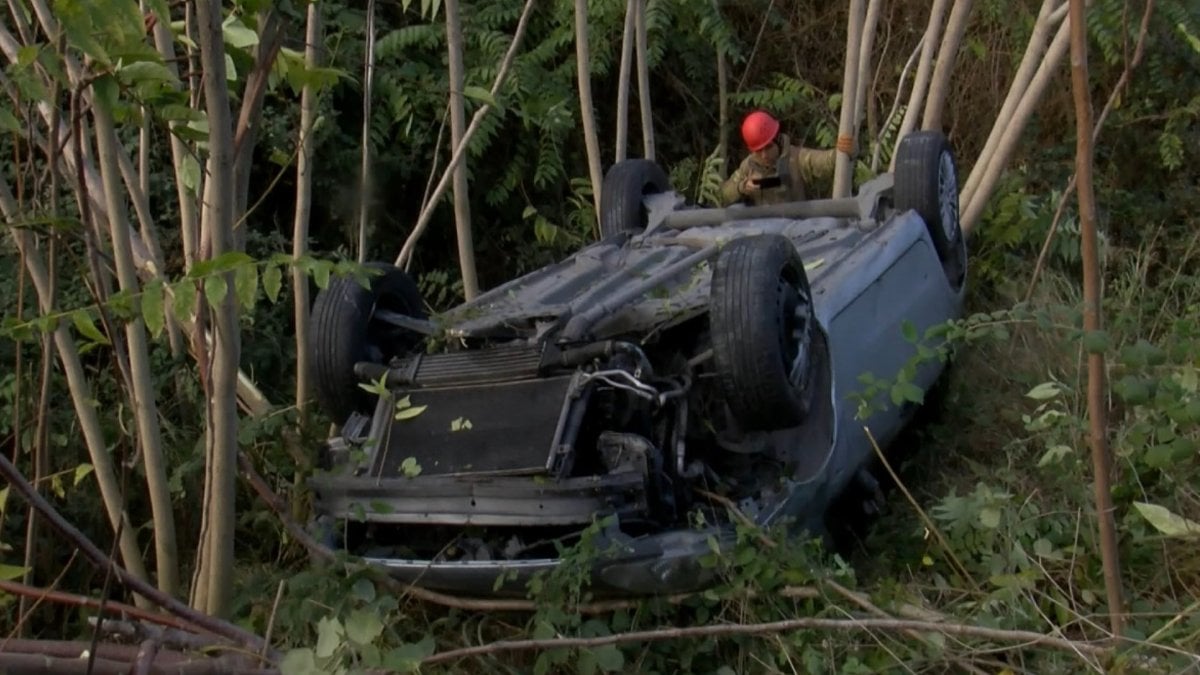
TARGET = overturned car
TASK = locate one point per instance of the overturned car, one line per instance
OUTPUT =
(690, 352)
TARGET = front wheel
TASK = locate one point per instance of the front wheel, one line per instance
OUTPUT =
(343, 331)
(763, 328)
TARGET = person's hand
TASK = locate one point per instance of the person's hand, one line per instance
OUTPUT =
(748, 186)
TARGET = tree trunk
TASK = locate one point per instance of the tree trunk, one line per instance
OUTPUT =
(458, 124)
(364, 176)
(643, 72)
(189, 229)
(921, 82)
(141, 390)
(1092, 321)
(404, 258)
(874, 7)
(218, 215)
(249, 120)
(308, 109)
(887, 122)
(623, 78)
(1007, 143)
(81, 397)
(956, 25)
(583, 62)
(843, 176)
(1034, 51)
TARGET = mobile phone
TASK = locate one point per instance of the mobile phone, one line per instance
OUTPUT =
(768, 182)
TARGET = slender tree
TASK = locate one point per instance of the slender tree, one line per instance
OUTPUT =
(217, 563)
(404, 258)
(933, 29)
(1047, 18)
(308, 109)
(1093, 321)
(103, 466)
(364, 175)
(643, 72)
(622, 143)
(956, 25)
(142, 391)
(583, 62)
(458, 128)
(843, 175)
(973, 208)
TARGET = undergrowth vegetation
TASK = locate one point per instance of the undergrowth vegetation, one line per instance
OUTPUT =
(989, 527)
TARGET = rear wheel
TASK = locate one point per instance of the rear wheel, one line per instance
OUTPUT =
(624, 187)
(763, 327)
(927, 182)
(343, 331)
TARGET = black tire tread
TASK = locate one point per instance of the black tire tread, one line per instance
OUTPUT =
(338, 323)
(621, 193)
(916, 183)
(746, 349)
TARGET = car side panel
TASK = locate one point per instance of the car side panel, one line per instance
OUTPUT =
(904, 282)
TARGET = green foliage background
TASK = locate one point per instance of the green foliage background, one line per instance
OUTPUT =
(1000, 465)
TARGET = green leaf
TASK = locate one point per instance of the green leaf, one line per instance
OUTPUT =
(363, 627)
(1097, 341)
(245, 283)
(909, 330)
(189, 173)
(215, 290)
(10, 572)
(409, 467)
(82, 471)
(364, 589)
(610, 658)
(142, 72)
(9, 122)
(907, 392)
(1054, 454)
(1044, 391)
(1168, 523)
(409, 413)
(27, 55)
(272, 282)
(237, 34)
(299, 662)
(184, 305)
(153, 311)
(479, 94)
(106, 90)
(408, 656)
(989, 517)
(329, 636)
(83, 323)
(320, 273)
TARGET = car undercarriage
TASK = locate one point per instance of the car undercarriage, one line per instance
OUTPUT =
(689, 361)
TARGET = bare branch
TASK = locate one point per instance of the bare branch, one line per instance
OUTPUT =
(1014, 638)
(404, 259)
(214, 625)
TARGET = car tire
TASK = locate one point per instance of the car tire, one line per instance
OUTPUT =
(342, 333)
(926, 181)
(763, 326)
(621, 194)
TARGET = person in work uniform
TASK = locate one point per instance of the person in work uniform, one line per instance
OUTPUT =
(775, 171)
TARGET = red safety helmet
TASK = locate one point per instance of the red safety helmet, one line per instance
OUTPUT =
(759, 129)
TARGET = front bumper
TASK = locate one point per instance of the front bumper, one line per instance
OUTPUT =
(664, 563)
